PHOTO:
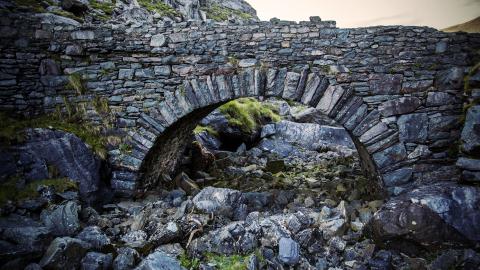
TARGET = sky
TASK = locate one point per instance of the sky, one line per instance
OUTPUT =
(357, 13)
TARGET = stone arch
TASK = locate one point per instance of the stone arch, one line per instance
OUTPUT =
(162, 133)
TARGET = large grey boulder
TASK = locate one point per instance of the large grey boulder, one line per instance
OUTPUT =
(22, 237)
(64, 254)
(68, 154)
(159, 261)
(429, 217)
(62, 220)
(308, 135)
(220, 201)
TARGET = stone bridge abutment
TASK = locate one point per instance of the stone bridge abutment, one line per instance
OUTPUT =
(398, 90)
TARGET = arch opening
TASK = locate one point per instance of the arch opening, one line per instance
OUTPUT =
(166, 159)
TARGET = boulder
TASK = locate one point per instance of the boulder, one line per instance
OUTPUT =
(97, 261)
(166, 234)
(62, 220)
(68, 154)
(22, 237)
(64, 253)
(429, 217)
(77, 7)
(288, 251)
(220, 201)
(95, 237)
(126, 259)
(159, 261)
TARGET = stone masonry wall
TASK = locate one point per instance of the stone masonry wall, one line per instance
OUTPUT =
(397, 89)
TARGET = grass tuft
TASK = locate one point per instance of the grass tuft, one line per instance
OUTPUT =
(248, 113)
(218, 13)
(234, 262)
(75, 82)
(159, 7)
(210, 130)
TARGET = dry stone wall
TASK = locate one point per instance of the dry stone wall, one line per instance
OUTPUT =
(398, 90)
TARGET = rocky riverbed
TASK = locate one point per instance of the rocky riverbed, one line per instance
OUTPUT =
(285, 191)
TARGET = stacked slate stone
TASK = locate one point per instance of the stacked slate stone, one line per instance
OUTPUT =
(397, 89)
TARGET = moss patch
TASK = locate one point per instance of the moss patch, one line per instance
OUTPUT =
(159, 7)
(210, 130)
(107, 8)
(9, 191)
(33, 5)
(248, 113)
(12, 130)
(189, 263)
(67, 14)
(220, 13)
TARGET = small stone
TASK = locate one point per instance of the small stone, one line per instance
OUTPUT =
(64, 253)
(289, 251)
(244, 63)
(158, 40)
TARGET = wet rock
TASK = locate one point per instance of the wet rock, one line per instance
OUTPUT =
(220, 201)
(288, 251)
(97, 261)
(429, 217)
(64, 253)
(63, 219)
(95, 237)
(159, 260)
(126, 259)
(381, 261)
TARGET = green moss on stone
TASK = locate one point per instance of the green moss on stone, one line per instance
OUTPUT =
(159, 7)
(67, 14)
(10, 191)
(106, 7)
(12, 130)
(199, 129)
(248, 113)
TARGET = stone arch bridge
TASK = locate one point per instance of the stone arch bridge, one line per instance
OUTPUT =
(398, 90)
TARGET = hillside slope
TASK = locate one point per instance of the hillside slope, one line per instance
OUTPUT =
(138, 11)
(472, 26)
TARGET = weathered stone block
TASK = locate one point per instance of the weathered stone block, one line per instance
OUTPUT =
(385, 83)
(413, 127)
(158, 40)
(399, 106)
(390, 156)
(398, 177)
(471, 132)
